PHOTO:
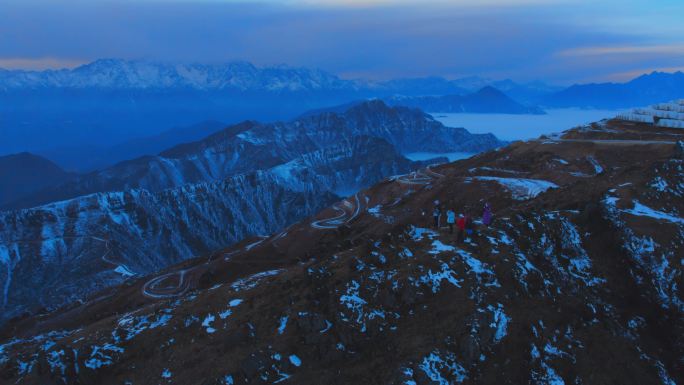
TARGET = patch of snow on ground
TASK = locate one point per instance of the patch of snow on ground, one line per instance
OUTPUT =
(253, 280)
(434, 280)
(439, 247)
(580, 263)
(417, 233)
(123, 270)
(443, 371)
(645, 211)
(597, 167)
(282, 325)
(659, 184)
(207, 323)
(295, 360)
(166, 373)
(521, 188)
(102, 355)
(478, 267)
(550, 377)
(500, 322)
(136, 325)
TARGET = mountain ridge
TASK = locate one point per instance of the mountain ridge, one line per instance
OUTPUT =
(655, 87)
(404, 128)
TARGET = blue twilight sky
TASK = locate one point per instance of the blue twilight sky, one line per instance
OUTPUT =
(559, 41)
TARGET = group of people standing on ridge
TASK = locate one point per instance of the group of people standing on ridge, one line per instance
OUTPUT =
(464, 222)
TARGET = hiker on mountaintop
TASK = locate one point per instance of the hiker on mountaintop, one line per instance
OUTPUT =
(451, 220)
(460, 223)
(487, 214)
(469, 226)
(435, 215)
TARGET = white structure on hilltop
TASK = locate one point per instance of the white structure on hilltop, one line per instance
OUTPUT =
(664, 114)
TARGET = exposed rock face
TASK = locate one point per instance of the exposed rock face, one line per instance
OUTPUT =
(577, 280)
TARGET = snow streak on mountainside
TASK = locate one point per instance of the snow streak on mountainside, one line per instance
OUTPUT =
(250, 179)
(576, 282)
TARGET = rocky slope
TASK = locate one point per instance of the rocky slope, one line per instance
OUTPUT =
(578, 280)
(253, 146)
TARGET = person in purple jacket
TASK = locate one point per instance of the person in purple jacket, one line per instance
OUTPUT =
(487, 214)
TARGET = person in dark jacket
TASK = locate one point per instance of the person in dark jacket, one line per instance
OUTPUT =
(469, 226)
(436, 213)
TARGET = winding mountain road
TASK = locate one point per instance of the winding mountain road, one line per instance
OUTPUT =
(346, 213)
(154, 289)
(420, 177)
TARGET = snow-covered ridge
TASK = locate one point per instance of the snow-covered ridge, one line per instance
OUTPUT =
(121, 74)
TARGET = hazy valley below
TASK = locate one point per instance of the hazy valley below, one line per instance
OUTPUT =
(525, 126)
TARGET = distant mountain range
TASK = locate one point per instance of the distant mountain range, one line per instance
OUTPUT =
(121, 74)
(486, 100)
(647, 89)
(110, 101)
(113, 101)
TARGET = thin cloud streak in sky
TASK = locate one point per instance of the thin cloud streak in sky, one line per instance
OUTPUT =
(39, 64)
(671, 49)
